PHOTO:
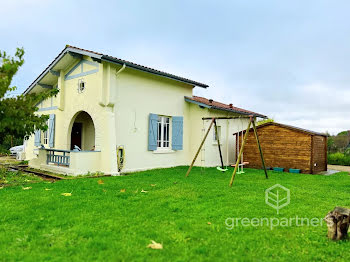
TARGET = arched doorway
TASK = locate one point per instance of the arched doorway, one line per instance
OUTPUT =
(82, 132)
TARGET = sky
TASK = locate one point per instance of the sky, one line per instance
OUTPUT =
(289, 60)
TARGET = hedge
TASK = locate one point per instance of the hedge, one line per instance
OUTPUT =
(339, 159)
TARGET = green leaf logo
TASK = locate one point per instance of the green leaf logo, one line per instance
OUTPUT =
(277, 197)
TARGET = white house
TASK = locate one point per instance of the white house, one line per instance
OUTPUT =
(106, 103)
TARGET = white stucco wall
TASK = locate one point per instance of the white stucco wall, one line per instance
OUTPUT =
(120, 106)
(69, 103)
(137, 95)
(209, 155)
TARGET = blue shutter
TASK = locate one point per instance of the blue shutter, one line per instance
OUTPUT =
(37, 139)
(152, 132)
(52, 130)
(177, 134)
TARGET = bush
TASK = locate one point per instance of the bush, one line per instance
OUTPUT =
(339, 159)
(4, 151)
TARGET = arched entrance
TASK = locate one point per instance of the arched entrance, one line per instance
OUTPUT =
(82, 132)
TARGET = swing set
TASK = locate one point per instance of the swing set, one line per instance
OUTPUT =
(241, 165)
(239, 161)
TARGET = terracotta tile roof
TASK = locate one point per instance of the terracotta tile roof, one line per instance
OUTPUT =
(221, 106)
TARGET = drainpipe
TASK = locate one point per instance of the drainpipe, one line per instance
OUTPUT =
(116, 76)
(110, 96)
(120, 70)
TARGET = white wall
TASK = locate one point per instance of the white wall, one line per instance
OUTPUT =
(210, 152)
(137, 95)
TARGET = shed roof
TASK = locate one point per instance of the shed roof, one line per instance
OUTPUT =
(111, 59)
(211, 104)
(298, 129)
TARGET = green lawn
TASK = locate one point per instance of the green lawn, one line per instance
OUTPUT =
(99, 222)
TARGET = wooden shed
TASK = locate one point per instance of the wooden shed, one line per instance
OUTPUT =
(287, 147)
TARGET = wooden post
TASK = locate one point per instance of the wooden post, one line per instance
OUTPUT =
(217, 138)
(325, 150)
(260, 150)
(237, 147)
(312, 156)
(240, 152)
(200, 147)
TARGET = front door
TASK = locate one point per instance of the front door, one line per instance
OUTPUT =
(76, 135)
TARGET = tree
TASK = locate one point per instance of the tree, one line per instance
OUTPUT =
(341, 142)
(343, 133)
(17, 114)
(264, 121)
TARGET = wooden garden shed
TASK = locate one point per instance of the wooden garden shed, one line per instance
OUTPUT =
(287, 147)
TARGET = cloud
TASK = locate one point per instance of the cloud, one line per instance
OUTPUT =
(286, 59)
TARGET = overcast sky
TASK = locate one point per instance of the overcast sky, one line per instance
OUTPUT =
(289, 60)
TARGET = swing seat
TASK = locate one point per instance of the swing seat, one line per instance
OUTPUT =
(242, 164)
(221, 169)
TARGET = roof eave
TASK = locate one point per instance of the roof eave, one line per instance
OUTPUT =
(297, 129)
(239, 112)
(57, 59)
(150, 70)
(187, 99)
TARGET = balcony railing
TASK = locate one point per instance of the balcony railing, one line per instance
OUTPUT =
(70, 162)
(58, 157)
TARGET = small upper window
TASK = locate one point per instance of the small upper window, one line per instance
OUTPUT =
(215, 138)
(163, 132)
(81, 86)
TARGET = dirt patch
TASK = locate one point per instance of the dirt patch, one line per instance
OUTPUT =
(339, 168)
(8, 160)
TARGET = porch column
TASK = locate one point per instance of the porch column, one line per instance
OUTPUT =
(108, 144)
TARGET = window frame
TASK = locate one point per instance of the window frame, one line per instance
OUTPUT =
(46, 134)
(163, 132)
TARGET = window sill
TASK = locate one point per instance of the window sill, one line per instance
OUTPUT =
(163, 151)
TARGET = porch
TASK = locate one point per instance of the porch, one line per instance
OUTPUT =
(69, 162)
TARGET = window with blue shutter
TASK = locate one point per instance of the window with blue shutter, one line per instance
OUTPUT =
(152, 132)
(37, 137)
(52, 130)
(177, 136)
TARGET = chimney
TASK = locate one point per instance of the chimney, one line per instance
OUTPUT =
(210, 101)
(231, 106)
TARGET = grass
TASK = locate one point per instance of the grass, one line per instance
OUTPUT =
(15, 178)
(99, 222)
